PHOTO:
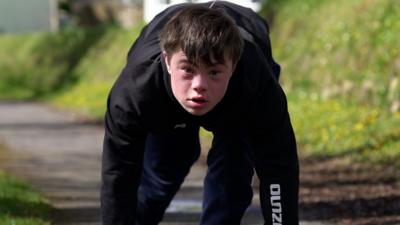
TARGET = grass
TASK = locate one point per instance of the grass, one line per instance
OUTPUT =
(97, 71)
(37, 64)
(20, 205)
(328, 51)
(341, 70)
(335, 128)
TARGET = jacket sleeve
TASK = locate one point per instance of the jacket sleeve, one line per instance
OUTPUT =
(123, 149)
(276, 159)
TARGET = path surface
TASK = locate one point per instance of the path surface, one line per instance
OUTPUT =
(60, 154)
(57, 154)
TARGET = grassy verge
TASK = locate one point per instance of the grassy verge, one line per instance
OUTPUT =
(19, 205)
(74, 68)
(341, 70)
(37, 64)
(97, 71)
(327, 51)
(335, 128)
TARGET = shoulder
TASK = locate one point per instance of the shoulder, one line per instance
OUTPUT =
(139, 84)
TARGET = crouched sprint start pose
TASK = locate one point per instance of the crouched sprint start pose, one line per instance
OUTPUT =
(197, 66)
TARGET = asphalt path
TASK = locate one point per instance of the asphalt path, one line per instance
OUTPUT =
(59, 153)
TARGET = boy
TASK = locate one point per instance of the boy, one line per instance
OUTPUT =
(198, 66)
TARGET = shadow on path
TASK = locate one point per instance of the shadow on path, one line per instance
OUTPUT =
(344, 192)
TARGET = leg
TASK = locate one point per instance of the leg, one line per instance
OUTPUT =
(167, 160)
(227, 189)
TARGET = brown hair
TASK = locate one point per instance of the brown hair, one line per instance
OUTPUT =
(204, 35)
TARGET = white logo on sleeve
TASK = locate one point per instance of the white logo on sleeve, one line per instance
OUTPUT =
(180, 125)
(275, 191)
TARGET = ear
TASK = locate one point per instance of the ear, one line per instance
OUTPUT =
(166, 60)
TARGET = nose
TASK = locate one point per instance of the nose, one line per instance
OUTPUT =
(199, 83)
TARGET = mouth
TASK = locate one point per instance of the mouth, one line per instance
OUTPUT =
(198, 101)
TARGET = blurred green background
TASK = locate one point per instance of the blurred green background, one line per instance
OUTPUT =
(340, 69)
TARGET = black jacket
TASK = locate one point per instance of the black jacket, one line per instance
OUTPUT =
(141, 101)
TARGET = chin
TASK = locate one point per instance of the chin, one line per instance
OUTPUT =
(197, 112)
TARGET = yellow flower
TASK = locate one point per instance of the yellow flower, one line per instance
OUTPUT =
(359, 126)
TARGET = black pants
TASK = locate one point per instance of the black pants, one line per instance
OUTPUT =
(168, 159)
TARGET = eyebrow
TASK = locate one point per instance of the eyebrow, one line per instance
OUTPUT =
(185, 61)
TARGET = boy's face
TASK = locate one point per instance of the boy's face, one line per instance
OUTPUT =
(198, 88)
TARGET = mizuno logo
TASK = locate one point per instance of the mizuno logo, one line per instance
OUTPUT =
(181, 125)
(275, 191)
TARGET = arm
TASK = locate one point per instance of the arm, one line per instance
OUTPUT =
(121, 164)
(277, 168)
(276, 161)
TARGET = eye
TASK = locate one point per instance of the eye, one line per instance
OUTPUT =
(188, 69)
(214, 73)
